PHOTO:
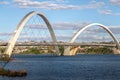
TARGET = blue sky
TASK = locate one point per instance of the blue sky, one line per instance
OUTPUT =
(65, 12)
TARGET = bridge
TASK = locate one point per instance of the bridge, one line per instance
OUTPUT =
(67, 50)
(60, 44)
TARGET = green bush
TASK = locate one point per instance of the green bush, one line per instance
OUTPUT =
(99, 50)
(34, 50)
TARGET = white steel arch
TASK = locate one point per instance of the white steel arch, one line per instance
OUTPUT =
(67, 50)
(19, 28)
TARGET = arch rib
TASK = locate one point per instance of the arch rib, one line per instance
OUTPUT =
(19, 28)
(67, 50)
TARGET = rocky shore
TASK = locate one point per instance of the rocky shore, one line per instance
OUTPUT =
(12, 73)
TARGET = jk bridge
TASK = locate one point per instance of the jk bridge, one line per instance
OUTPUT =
(67, 46)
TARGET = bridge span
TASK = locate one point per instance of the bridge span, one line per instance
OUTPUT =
(67, 46)
(60, 44)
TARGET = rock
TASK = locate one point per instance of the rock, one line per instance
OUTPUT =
(6, 56)
(1, 68)
(22, 73)
(12, 73)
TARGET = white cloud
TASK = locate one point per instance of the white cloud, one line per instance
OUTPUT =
(59, 25)
(93, 5)
(69, 25)
(4, 3)
(43, 5)
(61, 0)
(94, 38)
(35, 38)
(55, 6)
(117, 14)
(114, 29)
(106, 12)
(115, 2)
(5, 34)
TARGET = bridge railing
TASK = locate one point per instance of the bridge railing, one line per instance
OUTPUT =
(60, 44)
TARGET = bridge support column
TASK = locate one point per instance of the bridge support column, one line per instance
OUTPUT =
(70, 52)
(116, 51)
(74, 50)
(66, 51)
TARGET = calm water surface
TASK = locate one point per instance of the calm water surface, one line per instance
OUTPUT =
(79, 67)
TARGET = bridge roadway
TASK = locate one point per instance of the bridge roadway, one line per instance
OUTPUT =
(61, 44)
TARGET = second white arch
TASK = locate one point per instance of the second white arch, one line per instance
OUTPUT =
(67, 49)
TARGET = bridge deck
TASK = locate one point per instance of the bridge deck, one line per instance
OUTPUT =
(60, 44)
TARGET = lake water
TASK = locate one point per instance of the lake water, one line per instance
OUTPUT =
(78, 67)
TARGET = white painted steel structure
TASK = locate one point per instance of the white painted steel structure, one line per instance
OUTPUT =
(20, 26)
(67, 49)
